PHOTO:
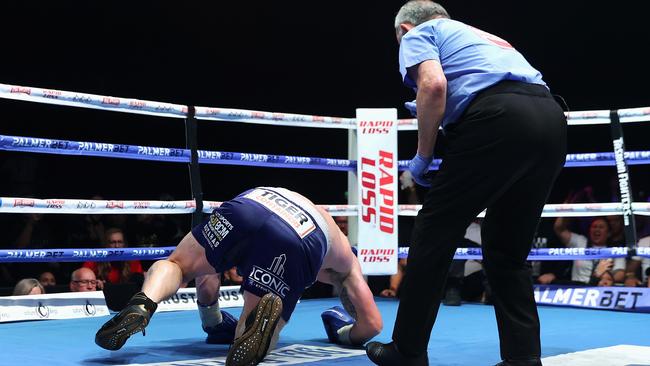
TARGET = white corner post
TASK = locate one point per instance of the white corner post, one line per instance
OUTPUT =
(376, 184)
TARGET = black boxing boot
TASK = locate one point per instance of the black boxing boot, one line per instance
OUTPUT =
(252, 346)
(132, 319)
(388, 355)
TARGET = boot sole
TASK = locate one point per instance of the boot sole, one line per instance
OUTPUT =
(251, 348)
(113, 337)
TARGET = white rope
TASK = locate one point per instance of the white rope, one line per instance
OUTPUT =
(578, 118)
(129, 105)
(271, 118)
(75, 206)
(565, 210)
(93, 101)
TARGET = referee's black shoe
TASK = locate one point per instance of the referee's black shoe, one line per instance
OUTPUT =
(132, 319)
(387, 354)
(252, 346)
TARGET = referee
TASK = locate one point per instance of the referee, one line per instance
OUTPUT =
(506, 145)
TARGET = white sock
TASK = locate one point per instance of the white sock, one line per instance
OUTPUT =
(210, 315)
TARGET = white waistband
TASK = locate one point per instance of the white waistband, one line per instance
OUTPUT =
(309, 207)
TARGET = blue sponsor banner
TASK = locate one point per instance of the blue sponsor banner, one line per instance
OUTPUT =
(576, 160)
(176, 155)
(83, 254)
(550, 254)
(633, 299)
(173, 155)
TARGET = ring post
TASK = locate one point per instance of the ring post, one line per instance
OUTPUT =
(624, 184)
(377, 190)
(195, 173)
(352, 194)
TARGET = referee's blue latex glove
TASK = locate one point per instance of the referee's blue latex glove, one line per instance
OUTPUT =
(419, 166)
(412, 108)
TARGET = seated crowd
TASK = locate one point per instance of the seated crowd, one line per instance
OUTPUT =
(466, 280)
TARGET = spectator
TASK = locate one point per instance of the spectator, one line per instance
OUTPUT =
(455, 279)
(395, 280)
(554, 272)
(117, 271)
(637, 271)
(83, 279)
(457, 288)
(616, 233)
(545, 238)
(342, 223)
(589, 271)
(28, 286)
(47, 279)
(606, 279)
(632, 274)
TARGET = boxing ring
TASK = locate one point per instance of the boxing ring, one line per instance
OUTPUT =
(572, 333)
(464, 335)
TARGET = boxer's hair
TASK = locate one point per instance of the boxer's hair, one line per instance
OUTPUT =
(417, 12)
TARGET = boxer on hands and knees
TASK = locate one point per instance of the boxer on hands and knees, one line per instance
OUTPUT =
(281, 243)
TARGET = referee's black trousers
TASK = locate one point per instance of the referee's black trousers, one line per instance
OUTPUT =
(502, 155)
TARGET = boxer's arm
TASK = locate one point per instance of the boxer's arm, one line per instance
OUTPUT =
(341, 269)
(358, 301)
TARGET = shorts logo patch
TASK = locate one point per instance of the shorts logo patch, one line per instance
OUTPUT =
(292, 214)
(216, 229)
(270, 279)
(277, 266)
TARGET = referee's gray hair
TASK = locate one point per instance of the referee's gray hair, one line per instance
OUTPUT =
(417, 12)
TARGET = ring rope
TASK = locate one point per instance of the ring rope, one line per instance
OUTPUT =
(577, 118)
(76, 206)
(120, 254)
(138, 106)
(167, 154)
(237, 115)
(177, 155)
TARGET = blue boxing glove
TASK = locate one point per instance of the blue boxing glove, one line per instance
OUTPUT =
(412, 107)
(224, 332)
(338, 324)
(419, 166)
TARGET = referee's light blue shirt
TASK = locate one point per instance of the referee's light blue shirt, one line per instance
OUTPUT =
(471, 59)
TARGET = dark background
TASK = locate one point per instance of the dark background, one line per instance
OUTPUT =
(323, 58)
